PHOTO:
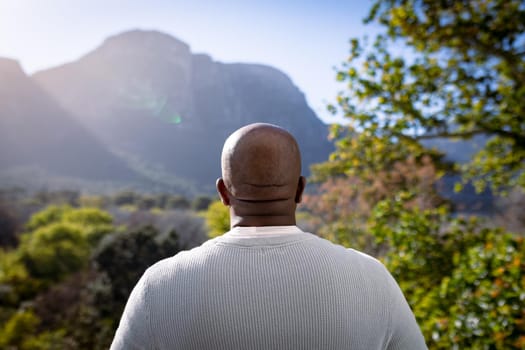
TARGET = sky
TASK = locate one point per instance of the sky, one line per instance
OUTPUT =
(305, 39)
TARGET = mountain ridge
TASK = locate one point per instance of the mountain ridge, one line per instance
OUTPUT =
(35, 130)
(144, 93)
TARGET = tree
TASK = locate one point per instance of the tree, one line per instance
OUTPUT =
(92, 222)
(15, 281)
(54, 251)
(342, 204)
(461, 74)
(465, 281)
(19, 333)
(57, 243)
(123, 257)
(217, 219)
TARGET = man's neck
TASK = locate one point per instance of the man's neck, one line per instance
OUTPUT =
(284, 220)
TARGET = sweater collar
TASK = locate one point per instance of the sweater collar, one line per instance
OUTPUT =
(250, 231)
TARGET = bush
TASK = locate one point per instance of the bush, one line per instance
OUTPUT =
(20, 332)
(54, 251)
(58, 242)
(124, 256)
(464, 281)
(217, 219)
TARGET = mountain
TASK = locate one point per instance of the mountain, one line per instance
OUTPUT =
(151, 100)
(36, 132)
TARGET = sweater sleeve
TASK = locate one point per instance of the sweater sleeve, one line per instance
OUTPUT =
(405, 332)
(134, 330)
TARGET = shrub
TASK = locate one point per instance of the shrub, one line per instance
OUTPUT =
(217, 219)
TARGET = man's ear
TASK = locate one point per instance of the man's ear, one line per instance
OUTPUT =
(300, 189)
(223, 191)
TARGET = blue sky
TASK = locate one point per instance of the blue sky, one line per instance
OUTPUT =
(305, 39)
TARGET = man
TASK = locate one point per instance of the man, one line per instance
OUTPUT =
(266, 284)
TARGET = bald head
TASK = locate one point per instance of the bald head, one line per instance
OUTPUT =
(261, 162)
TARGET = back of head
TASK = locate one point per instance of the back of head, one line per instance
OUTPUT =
(261, 164)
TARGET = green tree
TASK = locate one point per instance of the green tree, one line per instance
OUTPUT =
(58, 242)
(465, 281)
(17, 327)
(123, 257)
(444, 69)
(217, 219)
(461, 74)
(55, 251)
(93, 222)
(21, 332)
(50, 272)
(49, 215)
(15, 282)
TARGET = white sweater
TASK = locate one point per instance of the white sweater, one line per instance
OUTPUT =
(268, 288)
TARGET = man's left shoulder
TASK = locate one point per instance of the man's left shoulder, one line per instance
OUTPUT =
(181, 261)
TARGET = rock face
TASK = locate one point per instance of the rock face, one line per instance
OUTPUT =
(147, 97)
(36, 131)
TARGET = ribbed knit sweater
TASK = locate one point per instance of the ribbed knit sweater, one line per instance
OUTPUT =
(268, 288)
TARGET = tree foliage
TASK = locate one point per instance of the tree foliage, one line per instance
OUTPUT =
(59, 240)
(57, 244)
(93, 222)
(464, 281)
(342, 204)
(55, 251)
(461, 74)
(116, 265)
(124, 256)
(217, 219)
(65, 284)
(21, 332)
(443, 69)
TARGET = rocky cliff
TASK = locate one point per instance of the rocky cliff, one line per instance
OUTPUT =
(35, 131)
(148, 97)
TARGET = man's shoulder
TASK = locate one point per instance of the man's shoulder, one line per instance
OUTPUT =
(364, 257)
(183, 259)
(312, 245)
(350, 253)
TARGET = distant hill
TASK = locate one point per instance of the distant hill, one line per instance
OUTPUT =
(36, 133)
(151, 100)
